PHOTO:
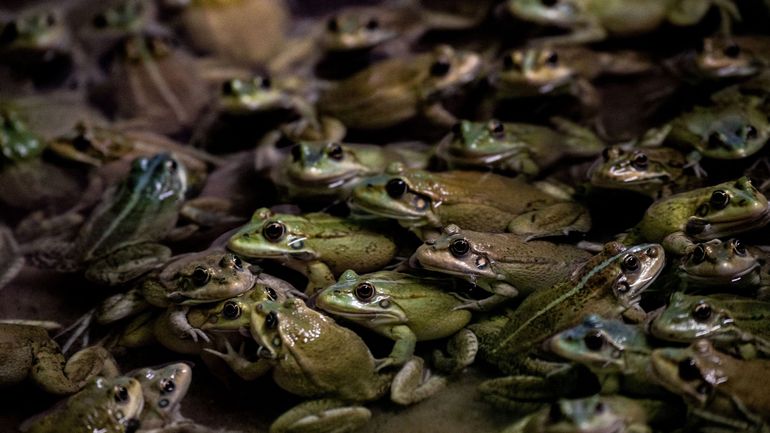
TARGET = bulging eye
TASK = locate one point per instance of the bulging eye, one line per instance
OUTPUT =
(688, 370)
(231, 310)
(698, 254)
(457, 129)
(751, 132)
(265, 83)
(495, 127)
(395, 188)
(271, 320)
(552, 60)
(440, 68)
(459, 247)
(335, 152)
(630, 263)
(167, 386)
(702, 312)
(594, 341)
(549, 3)
(296, 153)
(372, 24)
(732, 51)
(719, 199)
(120, 394)
(714, 140)
(364, 291)
(274, 231)
(271, 293)
(739, 248)
(639, 161)
(201, 276)
(228, 88)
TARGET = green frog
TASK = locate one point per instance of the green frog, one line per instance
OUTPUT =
(163, 389)
(318, 169)
(405, 308)
(104, 405)
(652, 171)
(358, 29)
(595, 20)
(504, 264)
(302, 348)
(118, 240)
(608, 285)
(702, 214)
(28, 352)
(732, 323)
(318, 245)
(516, 147)
(424, 201)
(721, 265)
(721, 390)
(395, 90)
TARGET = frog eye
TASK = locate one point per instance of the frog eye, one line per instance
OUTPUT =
(100, 21)
(274, 231)
(167, 386)
(120, 394)
(639, 160)
(265, 82)
(719, 199)
(333, 25)
(271, 293)
(495, 127)
(732, 51)
(702, 312)
(457, 128)
(552, 60)
(231, 260)
(271, 320)
(600, 407)
(688, 370)
(459, 247)
(751, 132)
(714, 140)
(364, 291)
(231, 310)
(171, 165)
(10, 33)
(440, 68)
(335, 152)
(228, 88)
(50, 20)
(739, 248)
(630, 263)
(296, 153)
(594, 341)
(549, 3)
(201, 276)
(372, 24)
(81, 143)
(698, 254)
(395, 188)
(132, 425)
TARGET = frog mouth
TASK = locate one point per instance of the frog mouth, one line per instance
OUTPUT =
(385, 211)
(375, 318)
(702, 229)
(735, 278)
(330, 182)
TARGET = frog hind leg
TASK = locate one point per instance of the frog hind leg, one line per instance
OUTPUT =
(90, 362)
(127, 263)
(519, 394)
(462, 349)
(322, 416)
(413, 383)
(557, 219)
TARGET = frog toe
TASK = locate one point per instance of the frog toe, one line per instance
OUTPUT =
(321, 416)
(414, 383)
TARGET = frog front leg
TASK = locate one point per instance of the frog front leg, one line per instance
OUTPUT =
(319, 277)
(177, 319)
(462, 349)
(322, 416)
(403, 348)
(679, 243)
(413, 384)
(127, 263)
(501, 293)
(439, 115)
(53, 375)
(247, 370)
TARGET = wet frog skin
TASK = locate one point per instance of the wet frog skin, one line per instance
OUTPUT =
(163, 389)
(735, 324)
(504, 264)
(724, 57)
(318, 245)
(402, 307)
(723, 265)
(423, 201)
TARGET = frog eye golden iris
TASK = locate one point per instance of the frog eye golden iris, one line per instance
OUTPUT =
(271, 320)
(719, 199)
(698, 254)
(364, 291)
(630, 263)
(459, 247)
(702, 312)
(688, 370)
(594, 341)
(274, 231)
(200, 276)
(120, 394)
(396, 188)
(231, 311)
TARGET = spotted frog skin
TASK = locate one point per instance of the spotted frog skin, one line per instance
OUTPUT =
(424, 201)
(318, 245)
(503, 264)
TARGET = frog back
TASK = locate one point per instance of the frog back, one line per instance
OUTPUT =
(748, 381)
(18, 344)
(348, 245)
(430, 309)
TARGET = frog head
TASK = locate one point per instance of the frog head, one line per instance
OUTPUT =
(723, 209)
(163, 389)
(562, 13)
(599, 343)
(206, 277)
(249, 96)
(481, 142)
(353, 30)
(588, 414)
(160, 179)
(90, 144)
(363, 299)
(332, 164)
(273, 235)
(532, 68)
(140, 49)
(126, 15)
(693, 372)
(447, 71)
(456, 252)
(689, 317)
(17, 142)
(719, 263)
(37, 30)
(105, 402)
(234, 314)
(288, 327)
(627, 272)
(729, 131)
(639, 169)
(724, 57)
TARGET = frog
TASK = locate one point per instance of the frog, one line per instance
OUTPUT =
(594, 20)
(504, 264)
(321, 169)
(732, 323)
(406, 309)
(118, 240)
(721, 390)
(357, 29)
(423, 201)
(609, 285)
(516, 147)
(298, 344)
(723, 58)
(655, 172)
(163, 389)
(702, 214)
(594, 414)
(395, 90)
(318, 245)
(109, 405)
(720, 265)
(30, 353)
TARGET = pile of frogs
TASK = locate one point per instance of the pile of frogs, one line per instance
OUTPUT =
(569, 194)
